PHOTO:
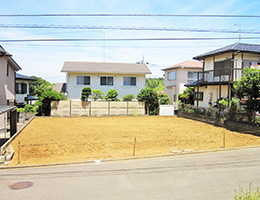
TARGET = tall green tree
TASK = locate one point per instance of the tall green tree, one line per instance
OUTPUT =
(187, 96)
(155, 83)
(38, 86)
(151, 99)
(46, 97)
(249, 87)
(164, 99)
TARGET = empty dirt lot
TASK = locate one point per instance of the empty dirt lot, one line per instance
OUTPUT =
(55, 140)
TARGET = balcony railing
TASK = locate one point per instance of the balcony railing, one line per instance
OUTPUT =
(223, 75)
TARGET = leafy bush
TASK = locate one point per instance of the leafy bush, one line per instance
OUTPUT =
(86, 91)
(97, 94)
(151, 99)
(128, 97)
(112, 95)
(247, 194)
(29, 109)
(164, 99)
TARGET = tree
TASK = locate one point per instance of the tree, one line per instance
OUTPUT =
(155, 83)
(46, 97)
(164, 99)
(38, 86)
(86, 91)
(97, 94)
(187, 96)
(112, 95)
(150, 97)
(249, 87)
(128, 97)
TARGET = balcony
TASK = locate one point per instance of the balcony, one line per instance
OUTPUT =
(219, 76)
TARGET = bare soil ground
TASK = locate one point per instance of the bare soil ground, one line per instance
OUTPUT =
(55, 140)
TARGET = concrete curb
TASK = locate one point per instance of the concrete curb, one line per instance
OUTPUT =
(128, 158)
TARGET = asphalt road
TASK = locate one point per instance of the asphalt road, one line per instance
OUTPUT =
(197, 177)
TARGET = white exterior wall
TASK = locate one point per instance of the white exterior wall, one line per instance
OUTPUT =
(20, 97)
(74, 90)
(211, 94)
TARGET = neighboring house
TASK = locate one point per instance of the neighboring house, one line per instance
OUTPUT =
(22, 88)
(8, 68)
(178, 75)
(221, 69)
(126, 78)
(60, 87)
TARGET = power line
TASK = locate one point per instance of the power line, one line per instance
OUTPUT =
(128, 15)
(126, 39)
(131, 28)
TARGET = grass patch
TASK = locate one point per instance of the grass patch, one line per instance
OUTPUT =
(248, 194)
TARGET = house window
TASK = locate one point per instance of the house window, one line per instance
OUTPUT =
(222, 67)
(106, 80)
(198, 96)
(83, 80)
(129, 81)
(21, 88)
(251, 64)
(174, 98)
(172, 75)
(7, 70)
(192, 76)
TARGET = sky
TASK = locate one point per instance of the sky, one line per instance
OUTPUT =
(45, 59)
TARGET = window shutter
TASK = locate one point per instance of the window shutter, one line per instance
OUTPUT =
(16, 88)
(24, 88)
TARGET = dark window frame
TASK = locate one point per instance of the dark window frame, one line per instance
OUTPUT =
(198, 96)
(85, 81)
(104, 80)
(132, 81)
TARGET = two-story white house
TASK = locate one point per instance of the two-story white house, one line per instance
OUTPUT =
(126, 78)
(176, 76)
(221, 69)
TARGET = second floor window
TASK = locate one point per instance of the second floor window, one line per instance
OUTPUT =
(129, 81)
(21, 88)
(192, 76)
(7, 70)
(222, 67)
(172, 75)
(83, 80)
(106, 80)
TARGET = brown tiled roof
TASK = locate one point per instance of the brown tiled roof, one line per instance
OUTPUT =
(102, 67)
(186, 64)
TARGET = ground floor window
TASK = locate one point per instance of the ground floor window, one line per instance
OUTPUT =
(106, 80)
(174, 98)
(83, 80)
(129, 81)
(198, 96)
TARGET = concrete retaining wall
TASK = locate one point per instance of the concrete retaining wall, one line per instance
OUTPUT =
(96, 108)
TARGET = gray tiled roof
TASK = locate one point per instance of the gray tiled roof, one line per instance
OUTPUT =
(102, 67)
(20, 76)
(243, 47)
(3, 52)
